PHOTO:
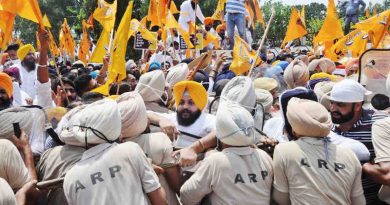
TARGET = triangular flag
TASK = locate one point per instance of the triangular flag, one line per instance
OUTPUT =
(105, 14)
(367, 13)
(295, 28)
(218, 14)
(66, 40)
(172, 23)
(355, 42)
(255, 13)
(28, 9)
(46, 21)
(173, 8)
(101, 47)
(376, 27)
(303, 15)
(243, 56)
(117, 67)
(52, 45)
(84, 45)
(7, 20)
(331, 30)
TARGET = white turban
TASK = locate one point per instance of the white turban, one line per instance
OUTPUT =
(151, 85)
(322, 90)
(235, 125)
(308, 118)
(64, 130)
(240, 89)
(265, 98)
(97, 123)
(177, 73)
(133, 114)
(296, 74)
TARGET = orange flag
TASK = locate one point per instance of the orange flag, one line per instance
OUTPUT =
(66, 40)
(6, 27)
(28, 9)
(53, 46)
(295, 28)
(84, 45)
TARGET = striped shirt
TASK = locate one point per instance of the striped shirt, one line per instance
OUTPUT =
(361, 131)
(235, 6)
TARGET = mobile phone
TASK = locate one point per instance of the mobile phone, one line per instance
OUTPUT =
(17, 130)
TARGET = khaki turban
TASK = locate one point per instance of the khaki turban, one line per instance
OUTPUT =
(151, 86)
(324, 64)
(24, 50)
(240, 89)
(196, 91)
(133, 114)
(296, 74)
(177, 73)
(265, 83)
(304, 58)
(265, 98)
(6, 84)
(235, 125)
(308, 118)
(97, 123)
(322, 90)
(12, 115)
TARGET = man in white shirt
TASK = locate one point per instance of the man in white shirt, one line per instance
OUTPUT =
(187, 14)
(28, 69)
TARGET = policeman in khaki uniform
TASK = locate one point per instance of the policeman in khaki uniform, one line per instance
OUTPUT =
(312, 170)
(239, 174)
(109, 173)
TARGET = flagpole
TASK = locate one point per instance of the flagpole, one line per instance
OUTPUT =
(262, 41)
(111, 39)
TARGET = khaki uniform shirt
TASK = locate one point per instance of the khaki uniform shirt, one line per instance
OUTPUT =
(7, 196)
(301, 169)
(55, 163)
(237, 175)
(12, 168)
(111, 174)
(381, 142)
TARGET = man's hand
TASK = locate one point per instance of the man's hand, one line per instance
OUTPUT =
(44, 39)
(28, 193)
(169, 129)
(186, 157)
(21, 143)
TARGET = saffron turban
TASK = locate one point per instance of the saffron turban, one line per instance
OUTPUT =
(6, 84)
(24, 50)
(196, 91)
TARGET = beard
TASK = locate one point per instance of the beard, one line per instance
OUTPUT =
(29, 64)
(342, 118)
(5, 103)
(187, 121)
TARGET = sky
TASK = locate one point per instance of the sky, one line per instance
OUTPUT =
(299, 2)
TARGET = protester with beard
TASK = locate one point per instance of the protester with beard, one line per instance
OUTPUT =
(351, 120)
(65, 96)
(39, 82)
(223, 41)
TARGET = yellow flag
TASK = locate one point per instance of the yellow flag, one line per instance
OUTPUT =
(331, 30)
(385, 43)
(210, 38)
(28, 9)
(255, 12)
(172, 23)
(66, 40)
(84, 45)
(173, 8)
(7, 20)
(376, 27)
(295, 28)
(354, 42)
(105, 14)
(219, 11)
(101, 47)
(52, 45)
(243, 56)
(46, 21)
(303, 15)
(117, 68)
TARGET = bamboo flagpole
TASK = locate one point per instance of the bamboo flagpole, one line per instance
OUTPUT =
(262, 41)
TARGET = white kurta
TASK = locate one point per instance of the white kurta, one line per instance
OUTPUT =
(187, 15)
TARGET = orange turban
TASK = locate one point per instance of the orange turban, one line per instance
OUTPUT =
(221, 27)
(208, 21)
(6, 83)
(196, 91)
